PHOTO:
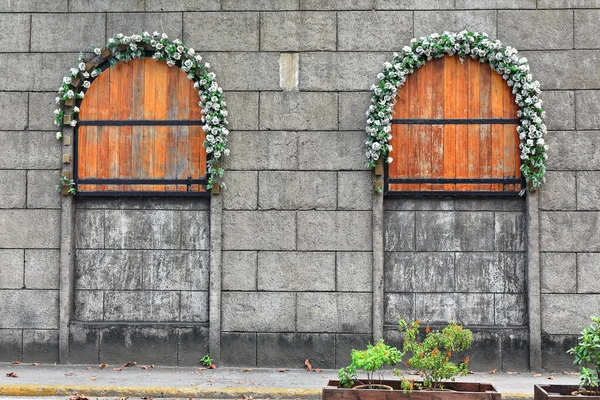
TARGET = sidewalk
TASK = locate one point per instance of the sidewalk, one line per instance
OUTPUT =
(221, 383)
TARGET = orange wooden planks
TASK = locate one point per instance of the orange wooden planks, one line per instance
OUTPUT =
(450, 93)
(437, 131)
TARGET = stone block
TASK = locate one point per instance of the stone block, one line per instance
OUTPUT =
(13, 108)
(565, 69)
(567, 314)
(465, 308)
(183, 5)
(588, 190)
(560, 109)
(243, 110)
(41, 110)
(288, 71)
(242, 190)
(298, 111)
(491, 4)
(34, 6)
(132, 229)
(11, 269)
(354, 271)
(510, 309)
(258, 311)
(587, 109)
(83, 344)
(42, 269)
(89, 229)
(554, 352)
(570, 231)
(194, 307)
(418, 272)
(131, 23)
(29, 229)
(263, 150)
(416, 203)
(248, 71)
(370, 30)
(36, 309)
(490, 204)
(144, 203)
(239, 270)
(296, 190)
(238, 349)
(574, 150)
(12, 189)
(41, 189)
(195, 230)
(67, 32)
(193, 345)
(347, 71)
(557, 271)
(11, 345)
(259, 230)
(335, 312)
(490, 272)
(355, 190)
(331, 151)
(296, 271)
(588, 273)
(568, 3)
(335, 230)
(399, 231)
(585, 26)
(536, 29)
(146, 345)
(231, 31)
(345, 343)
(509, 231)
(35, 71)
(40, 346)
(141, 306)
(413, 4)
(454, 231)
(559, 191)
(428, 22)
(398, 306)
(298, 31)
(292, 349)
(350, 105)
(174, 270)
(260, 5)
(515, 350)
(29, 150)
(89, 305)
(110, 269)
(336, 5)
(19, 27)
(107, 6)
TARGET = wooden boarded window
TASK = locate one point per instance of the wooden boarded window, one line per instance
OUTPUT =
(454, 132)
(140, 132)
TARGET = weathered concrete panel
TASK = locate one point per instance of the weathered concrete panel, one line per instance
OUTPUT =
(568, 3)
(397, 306)
(11, 269)
(515, 350)
(335, 312)
(242, 190)
(586, 22)
(34, 6)
(587, 109)
(12, 189)
(490, 272)
(192, 346)
(490, 4)
(146, 345)
(83, 344)
(554, 352)
(29, 229)
(454, 231)
(559, 191)
(106, 6)
(296, 271)
(291, 110)
(565, 69)
(40, 346)
(567, 314)
(570, 231)
(175, 270)
(238, 349)
(588, 273)
(465, 308)
(260, 5)
(89, 305)
(331, 151)
(110, 269)
(11, 344)
(510, 309)
(13, 106)
(557, 272)
(183, 5)
(588, 190)
(239, 270)
(141, 306)
(130, 23)
(370, 30)
(419, 272)
(34, 71)
(258, 312)
(536, 29)
(259, 230)
(29, 150)
(232, 31)
(36, 309)
(574, 150)
(354, 271)
(428, 22)
(89, 228)
(399, 230)
(414, 4)
(144, 203)
(335, 230)
(41, 189)
(298, 31)
(276, 349)
(355, 190)
(509, 231)
(194, 307)
(336, 5)
(488, 204)
(425, 203)
(344, 343)
(42, 269)
(263, 151)
(195, 230)
(67, 32)
(246, 71)
(297, 190)
(560, 109)
(157, 229)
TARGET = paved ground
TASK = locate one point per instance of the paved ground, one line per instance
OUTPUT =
(59, 381)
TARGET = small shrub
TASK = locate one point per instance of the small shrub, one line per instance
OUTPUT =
(206, 360)
(587, 356)
(372, 360)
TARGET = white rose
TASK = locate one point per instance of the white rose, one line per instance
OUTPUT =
(67, 80)
(86, 84)
(226, 152)
(97, 51)
(73, 123)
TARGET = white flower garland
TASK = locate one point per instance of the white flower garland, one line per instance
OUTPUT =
(125, 48)
(502, 59)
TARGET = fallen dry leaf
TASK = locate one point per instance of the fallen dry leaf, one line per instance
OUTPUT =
(16, 362)
(308, 365)
(551, 377)
(283, 370)
(35, 364)
(537, 375)
(102, 366)
(211, 366)
(93, 378)
(69, 374)
(89, 368)
(513, 373)
(12, 375)
(129, 364)
(493, 371)
(117, 369)
(143, 367)
(77, 397)
(317, 370)
(247, 370)
(152, 366)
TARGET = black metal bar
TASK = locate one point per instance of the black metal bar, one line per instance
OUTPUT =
(455, 121)
(392, 193)
(142, 193)
(508, 181)
(137, 122)
(94, 181)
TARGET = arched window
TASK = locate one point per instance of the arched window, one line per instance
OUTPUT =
(454, 132)
(139, 131)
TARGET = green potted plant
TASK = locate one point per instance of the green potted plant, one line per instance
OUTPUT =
(431, 357)
(587, 357)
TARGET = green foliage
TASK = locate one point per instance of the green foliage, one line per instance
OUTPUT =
(587, 355)
(64, 181)
(371, 360)
(432, 355)
(206, 360)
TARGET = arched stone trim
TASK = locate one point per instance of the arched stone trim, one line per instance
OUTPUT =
(502, 59)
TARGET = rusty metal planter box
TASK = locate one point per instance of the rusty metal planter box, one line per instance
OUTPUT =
(560, 392)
